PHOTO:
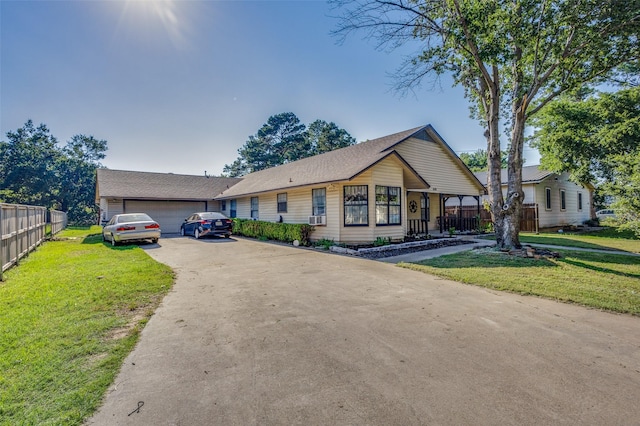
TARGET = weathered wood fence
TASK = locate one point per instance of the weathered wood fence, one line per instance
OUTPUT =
(465, 218)
(22, 229)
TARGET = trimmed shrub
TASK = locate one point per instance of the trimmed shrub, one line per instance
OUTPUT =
(285, 232)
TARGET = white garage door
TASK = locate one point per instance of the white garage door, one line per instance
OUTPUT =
(169, 214)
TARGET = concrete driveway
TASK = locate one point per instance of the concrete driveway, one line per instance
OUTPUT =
(262, 334)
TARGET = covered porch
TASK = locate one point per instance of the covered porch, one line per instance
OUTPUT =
(429, 212)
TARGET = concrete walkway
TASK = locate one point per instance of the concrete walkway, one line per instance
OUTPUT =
(262, 334)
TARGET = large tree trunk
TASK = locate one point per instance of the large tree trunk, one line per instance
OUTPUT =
(494, 174)
(506, 211)
(512, 207)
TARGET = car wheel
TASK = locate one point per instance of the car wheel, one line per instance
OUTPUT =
(113, 241)
(182, 231)
(154, 240)
(227, 235)
(196, 233)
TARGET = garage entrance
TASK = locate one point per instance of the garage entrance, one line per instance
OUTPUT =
(169, 214)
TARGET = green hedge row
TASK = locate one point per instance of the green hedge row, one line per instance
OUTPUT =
(286, 232)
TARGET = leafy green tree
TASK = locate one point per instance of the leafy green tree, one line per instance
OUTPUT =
(283, 139)
(28, 173)
(596, 140)
(77, 172)
(512, 57)
(324, 137)
(477, 161)
(279, 140)
(35, 170)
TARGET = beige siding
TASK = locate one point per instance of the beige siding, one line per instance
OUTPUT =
(334, 215)
(298, 206)
(416, 197)
(243, 208)
(434, 212)
(213, 206)
(388, 172)
(437, 167)
(104, 210)
(267, 208)
(114, 207)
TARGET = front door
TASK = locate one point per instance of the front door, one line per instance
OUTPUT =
(232, 208)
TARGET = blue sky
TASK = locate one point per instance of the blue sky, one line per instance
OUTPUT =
(178, 86)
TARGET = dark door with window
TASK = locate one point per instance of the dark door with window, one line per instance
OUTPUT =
(232, 208)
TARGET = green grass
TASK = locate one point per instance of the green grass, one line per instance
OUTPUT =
(69, 315)
(606, 239)
(603, 281)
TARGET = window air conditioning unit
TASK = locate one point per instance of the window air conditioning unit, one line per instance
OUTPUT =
(317, 220)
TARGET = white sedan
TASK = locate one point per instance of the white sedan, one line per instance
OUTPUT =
(603, 214)
(131, 227)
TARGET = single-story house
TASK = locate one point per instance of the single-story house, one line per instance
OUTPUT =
(168, 198)
(553, 200)
(383, 188)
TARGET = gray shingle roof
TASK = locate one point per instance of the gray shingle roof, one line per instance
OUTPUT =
(530, 174)
(163, 186)
(339, 165)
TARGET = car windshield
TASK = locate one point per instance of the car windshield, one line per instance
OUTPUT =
(212, 215)
(134, 217)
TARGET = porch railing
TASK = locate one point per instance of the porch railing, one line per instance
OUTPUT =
(459, 223)
(417, 227)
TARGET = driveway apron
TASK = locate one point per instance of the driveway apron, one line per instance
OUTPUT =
(262, 334)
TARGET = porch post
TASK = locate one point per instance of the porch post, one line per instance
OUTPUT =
(478, 216)
(441, 211)
(460, 197)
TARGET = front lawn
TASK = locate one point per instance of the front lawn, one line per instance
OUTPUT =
(69, 315)
(603, 281)
(606, 239)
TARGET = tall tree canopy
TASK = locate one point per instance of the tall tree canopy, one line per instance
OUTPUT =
(596, 140)
(511, 56)
(283, 139)
(477, 161)
(28, 163)
(324, 137)
(34, 169)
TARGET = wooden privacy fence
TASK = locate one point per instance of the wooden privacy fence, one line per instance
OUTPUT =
(22, 229)
(464, 218)
(58, 221)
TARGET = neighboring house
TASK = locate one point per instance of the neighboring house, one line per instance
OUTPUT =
(168, 198)
(557, 201)
(383, 188)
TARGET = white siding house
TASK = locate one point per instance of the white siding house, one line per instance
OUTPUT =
(560, 202)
